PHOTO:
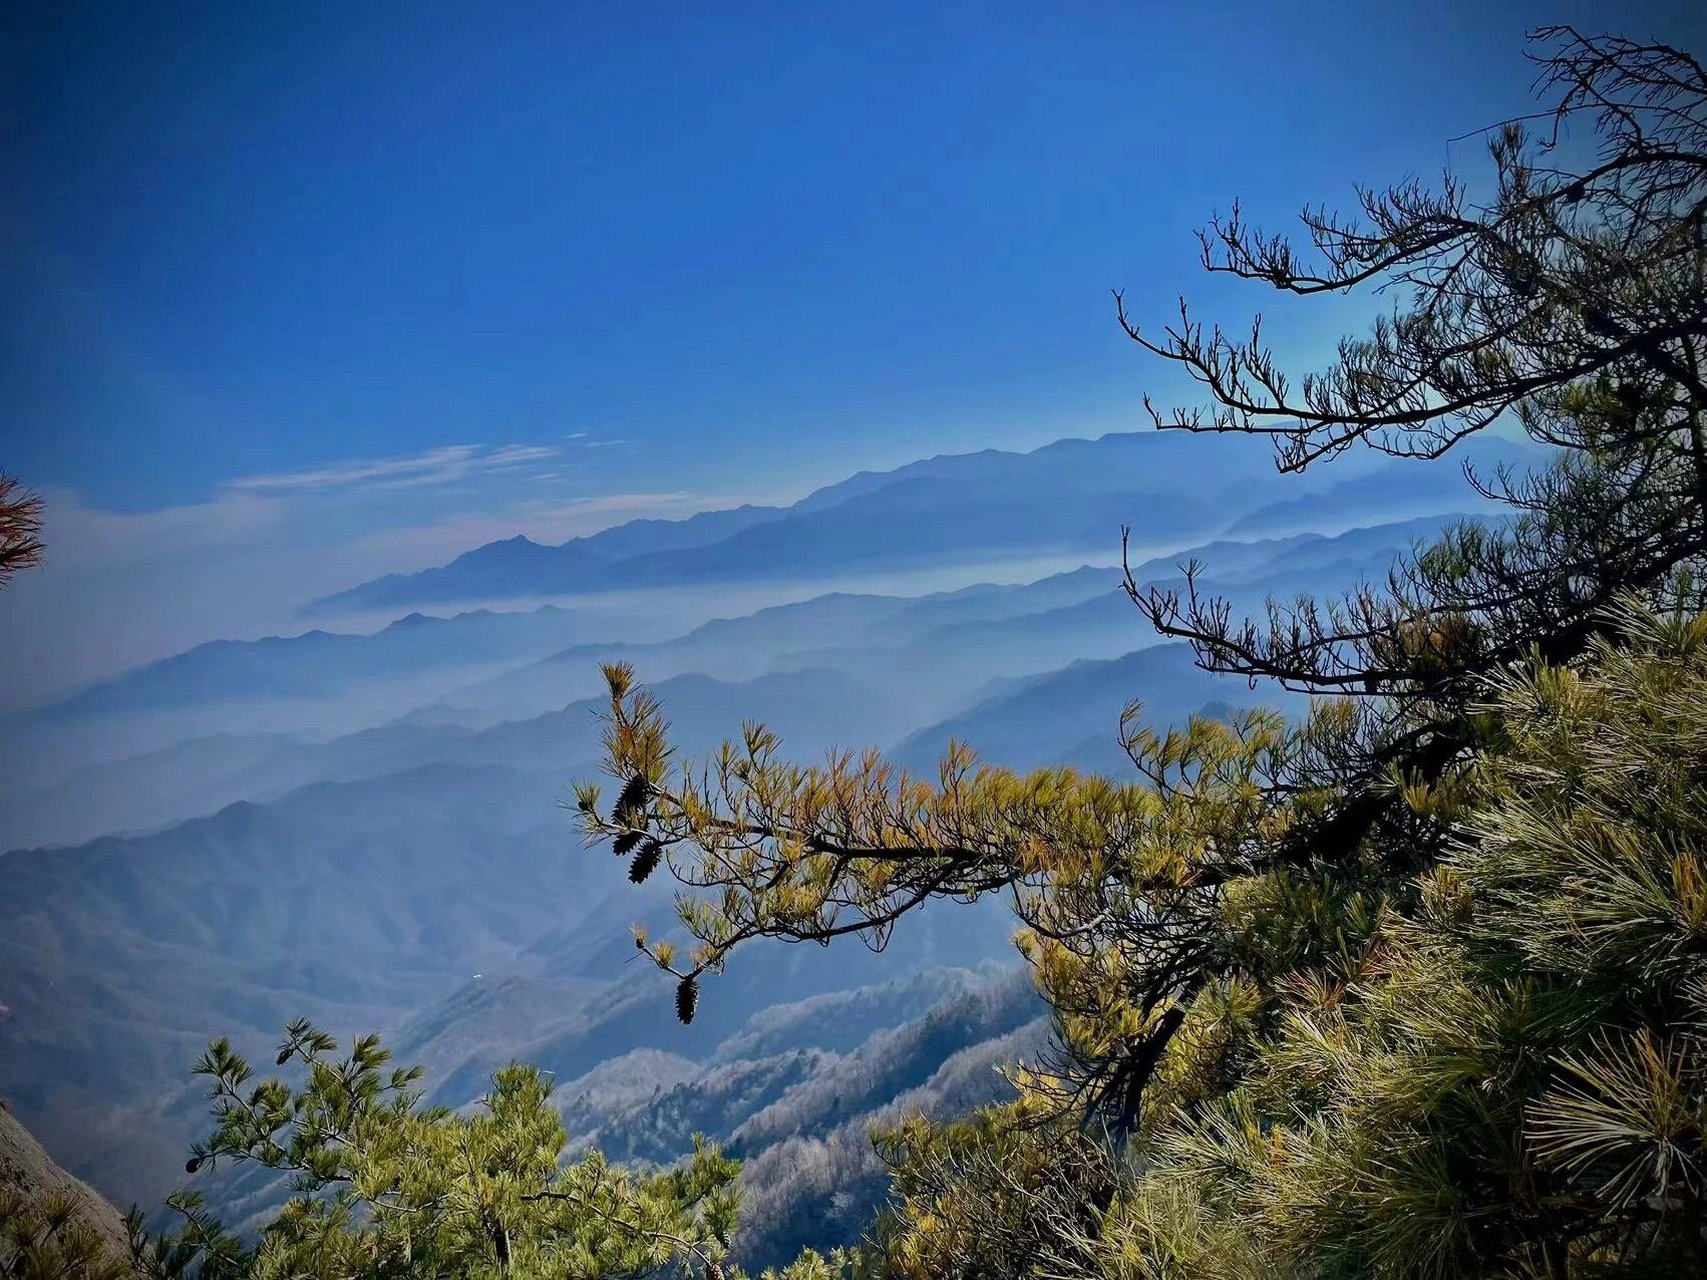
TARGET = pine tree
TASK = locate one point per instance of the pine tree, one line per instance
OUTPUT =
(20, 528)
(1301, 1010)
(1510, 1079)
(46, 1237)
(383, 1185)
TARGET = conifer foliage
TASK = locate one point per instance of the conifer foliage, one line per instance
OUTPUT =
(382, 1185)
(1510, 1076)
(1415, 987)
(20, 528)
(46, 1237)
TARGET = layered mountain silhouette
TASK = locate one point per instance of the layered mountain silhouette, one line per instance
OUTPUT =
(406, 866)
(1071, 496)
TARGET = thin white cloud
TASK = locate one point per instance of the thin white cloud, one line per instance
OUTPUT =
(436, 466)
(251, 508)
(238, 563)
(78, 535)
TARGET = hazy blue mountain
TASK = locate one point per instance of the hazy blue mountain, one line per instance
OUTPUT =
(812, 707)
(1030, 642)
(516, 566)
(989, 602)
(909, 660)
(1117, 462)
(1088, 613)
(317, 662)
(1073, 494)
(640, 537)
(1235, 561)
(1047, 719)
(732, 648)
(1399, 489)
(924, 521)
(782, 636)
(120, 755)
(949, 665)
(521, 567)
(941, 645)
(203, 775)
(146, 790)
(352, 902)
(366, 900)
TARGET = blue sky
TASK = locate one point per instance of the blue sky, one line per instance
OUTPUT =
(400, 278)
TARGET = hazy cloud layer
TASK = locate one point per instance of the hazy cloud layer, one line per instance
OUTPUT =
(121, 588)
(82, 536)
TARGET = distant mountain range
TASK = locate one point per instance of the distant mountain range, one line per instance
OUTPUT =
(844, 667)
(200, 775)
(519, 566)
(370, 835)
(1071, 496)
(318, 662)
(1064, 717)
(1398, 490)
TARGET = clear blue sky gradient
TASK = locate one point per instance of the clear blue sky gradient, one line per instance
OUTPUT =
(760, 243)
